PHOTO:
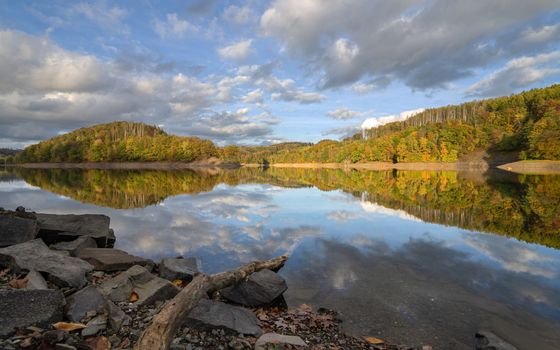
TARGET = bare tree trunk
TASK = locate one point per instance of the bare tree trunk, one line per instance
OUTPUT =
(160, 332)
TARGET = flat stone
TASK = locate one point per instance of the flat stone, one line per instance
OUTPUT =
(278, 340)
(61, 269)
(486, 340)
(84, 301)
(260, 288)
(22, 308)
(62, 346)
(95, 325)
(109, 259)
(73, 247)
(209, 314)
(55, 228)
(35, 280)
(15, 229)
(178, 269)
(137, 279)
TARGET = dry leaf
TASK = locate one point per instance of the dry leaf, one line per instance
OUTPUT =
(69, 327)
(374, 340)
(178, 283)
(26, 343)
(133, 297)
(18, 284)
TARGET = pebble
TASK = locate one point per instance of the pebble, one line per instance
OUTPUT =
(61, 346)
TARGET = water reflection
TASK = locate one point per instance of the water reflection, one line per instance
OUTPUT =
(369, 244)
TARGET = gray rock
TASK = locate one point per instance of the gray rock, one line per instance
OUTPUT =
(178, 269)
(108, 259)
(22, 308)
(73, 247)
(55, 228)
(148, 287)
(35, 280)
(210, 314)
(260, 288)
(117, 317)
(278, 339)
(84, 301)
(486, 340)
(95, 325)
(15, 229)
(61, 269)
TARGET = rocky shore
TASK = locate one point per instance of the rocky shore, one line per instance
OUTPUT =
(63, 286)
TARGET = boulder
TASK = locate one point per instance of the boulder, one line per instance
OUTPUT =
(278, 340)
(486, 340)
(178, 269)
(61, 269)
(109, 259)
(209, 314)
(73, 247)
(35, 280)
(261, 288)
(15, 229)
(55, 228)
(84, 301)
(137, 279)
(22, 308)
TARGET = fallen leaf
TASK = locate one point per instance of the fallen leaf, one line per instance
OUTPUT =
(26, 343)
(374, 340)
(178, 283)
(18, 284)
(69, 327)
(305, 308)
(133, 297)
(125, 343)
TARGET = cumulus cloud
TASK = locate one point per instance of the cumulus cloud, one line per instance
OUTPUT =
(344, 114)
(425, 44)
(173, 26)
(45, 89)
(238, 15)
(517, 73)
(237, 51)
(378, 121)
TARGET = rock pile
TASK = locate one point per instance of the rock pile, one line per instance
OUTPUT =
(63, 287)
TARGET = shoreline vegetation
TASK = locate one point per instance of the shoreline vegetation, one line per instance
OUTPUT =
(529, 167)
(475, 134)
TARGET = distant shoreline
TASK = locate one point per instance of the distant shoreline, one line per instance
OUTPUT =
(536, 167)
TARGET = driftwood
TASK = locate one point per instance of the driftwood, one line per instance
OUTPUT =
(160, 332)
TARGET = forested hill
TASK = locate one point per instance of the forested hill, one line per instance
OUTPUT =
(527, 124)
(118, 141)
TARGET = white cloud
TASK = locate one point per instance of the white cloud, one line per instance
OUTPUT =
(255, 96)
(517, 73)
(172, 26)
(237, 51)
(344, 114)
(238, 15)
(109, 18)
(426, 43)
(378, 121)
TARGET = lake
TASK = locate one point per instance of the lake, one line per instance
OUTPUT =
(413, 257)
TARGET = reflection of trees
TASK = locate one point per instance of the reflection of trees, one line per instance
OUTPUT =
(526, 207)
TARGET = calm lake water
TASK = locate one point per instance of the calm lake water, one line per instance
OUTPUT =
(413, 257)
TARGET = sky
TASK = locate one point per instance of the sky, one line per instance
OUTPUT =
(261, 72)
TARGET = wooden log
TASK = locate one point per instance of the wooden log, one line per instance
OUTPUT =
(164, 325)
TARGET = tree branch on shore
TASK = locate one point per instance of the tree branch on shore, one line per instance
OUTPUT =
(161, 330)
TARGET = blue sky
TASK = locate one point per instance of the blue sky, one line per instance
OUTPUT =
(258, 72)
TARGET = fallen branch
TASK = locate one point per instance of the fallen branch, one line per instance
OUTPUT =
(160, 332)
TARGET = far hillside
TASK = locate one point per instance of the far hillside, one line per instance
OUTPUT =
(118, 142)
(525, 125)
